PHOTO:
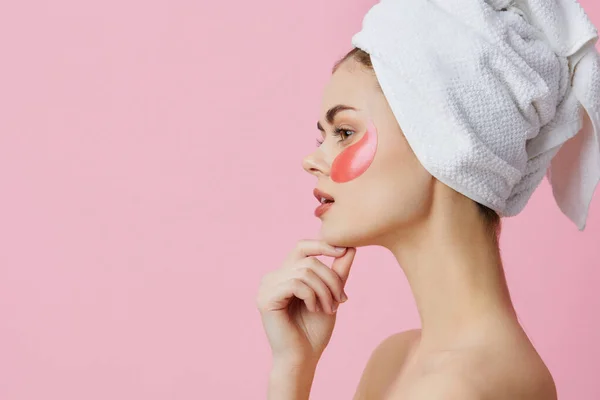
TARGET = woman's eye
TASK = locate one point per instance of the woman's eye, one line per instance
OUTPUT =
(343, 133)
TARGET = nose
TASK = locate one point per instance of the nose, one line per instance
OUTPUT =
(315, 164)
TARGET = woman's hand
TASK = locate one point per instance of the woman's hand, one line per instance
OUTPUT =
(298, 302)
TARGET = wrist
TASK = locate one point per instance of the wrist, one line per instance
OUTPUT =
(293, 367)
(291, 379)
(294, 362)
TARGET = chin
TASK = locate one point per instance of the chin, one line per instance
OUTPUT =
(346, 235)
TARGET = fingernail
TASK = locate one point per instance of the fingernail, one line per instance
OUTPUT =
(334, 308)
(344, 297)
(340, 249)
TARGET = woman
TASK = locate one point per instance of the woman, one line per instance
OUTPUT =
(374, 190)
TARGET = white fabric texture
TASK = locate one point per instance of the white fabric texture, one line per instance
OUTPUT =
(493, 95)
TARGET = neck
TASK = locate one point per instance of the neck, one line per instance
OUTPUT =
(454, 269)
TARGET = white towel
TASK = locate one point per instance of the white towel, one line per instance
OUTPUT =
(487, 92)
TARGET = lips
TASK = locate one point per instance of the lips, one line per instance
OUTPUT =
(326, 201)
(323, 197)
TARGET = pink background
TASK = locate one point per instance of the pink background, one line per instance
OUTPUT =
(150, 168)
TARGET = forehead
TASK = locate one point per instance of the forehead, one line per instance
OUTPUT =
(351, 84)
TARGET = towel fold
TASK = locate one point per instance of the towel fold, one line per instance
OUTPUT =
(494, 95)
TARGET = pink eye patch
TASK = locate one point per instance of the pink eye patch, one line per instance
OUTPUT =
(355, 159)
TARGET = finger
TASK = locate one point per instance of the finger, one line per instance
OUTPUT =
(283, 293)
(310, 278)
(331, 278)
(307, 248)
(341, 265)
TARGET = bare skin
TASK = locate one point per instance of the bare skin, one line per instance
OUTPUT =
(397, 370)
(471, 345)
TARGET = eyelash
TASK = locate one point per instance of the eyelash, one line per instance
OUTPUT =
(337, 132)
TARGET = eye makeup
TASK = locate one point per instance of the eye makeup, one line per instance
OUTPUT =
(338, 132)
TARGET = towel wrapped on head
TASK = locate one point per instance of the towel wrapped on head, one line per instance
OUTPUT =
(494, 95)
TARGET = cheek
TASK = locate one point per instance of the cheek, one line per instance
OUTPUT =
(356, 159)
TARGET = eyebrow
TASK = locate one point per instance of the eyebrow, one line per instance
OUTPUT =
(331, 113)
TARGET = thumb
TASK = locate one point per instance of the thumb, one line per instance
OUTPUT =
(341, 265)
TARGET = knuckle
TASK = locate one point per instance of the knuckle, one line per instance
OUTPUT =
(295, 284)
(302, 264)
(313, 262)
(322, 289)
(305, 272)
(335, 278)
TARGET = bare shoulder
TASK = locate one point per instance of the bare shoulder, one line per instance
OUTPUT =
(439, 386)
(398, 344)
(452, 386)
(494, 374)
(498, 370)
(385, 364)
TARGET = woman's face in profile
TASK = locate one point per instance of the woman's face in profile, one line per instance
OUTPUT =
(375, 190)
